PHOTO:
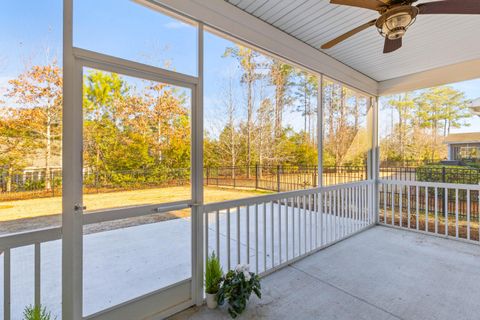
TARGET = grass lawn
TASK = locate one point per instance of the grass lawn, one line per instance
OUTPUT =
(24, 209)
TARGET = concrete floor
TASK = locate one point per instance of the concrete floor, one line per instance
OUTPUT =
(119, 265)
(381, 273)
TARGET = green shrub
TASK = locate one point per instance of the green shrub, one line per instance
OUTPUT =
(473, 163)
(448, 174)
(213, 274)
(31, 185)
(36, 313)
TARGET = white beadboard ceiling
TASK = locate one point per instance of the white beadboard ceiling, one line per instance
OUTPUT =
(432, 42)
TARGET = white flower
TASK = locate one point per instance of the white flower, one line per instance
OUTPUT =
(242, 268)
(247, 275)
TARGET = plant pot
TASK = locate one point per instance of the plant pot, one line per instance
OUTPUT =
(211, 300)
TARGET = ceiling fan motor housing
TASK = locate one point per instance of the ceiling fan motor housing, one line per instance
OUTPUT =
(393, 23)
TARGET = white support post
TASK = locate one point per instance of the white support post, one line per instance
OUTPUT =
(197, 180)
(320, 157)
(375, 160)
(320, 130)
(72, 175)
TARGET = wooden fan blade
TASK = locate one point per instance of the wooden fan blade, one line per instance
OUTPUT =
(367, 4)
(450, 7)
(392, 45)
(347, 35)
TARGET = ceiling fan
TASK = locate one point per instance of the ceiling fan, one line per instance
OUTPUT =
(396, 16)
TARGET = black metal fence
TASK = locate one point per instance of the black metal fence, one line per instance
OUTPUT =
(406, 163)
(443, 174)
(34, 184)
(270, 178)
(30, 184)
(281, 178)
(287, 178)
(278, 178)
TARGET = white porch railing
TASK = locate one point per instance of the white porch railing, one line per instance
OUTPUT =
(269, 232)
(20, 240)
(445, 209)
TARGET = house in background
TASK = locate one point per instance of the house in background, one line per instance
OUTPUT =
(465, 145)
(475, 107)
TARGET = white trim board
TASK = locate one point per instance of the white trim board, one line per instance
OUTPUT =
(449, 74)
(235, 22)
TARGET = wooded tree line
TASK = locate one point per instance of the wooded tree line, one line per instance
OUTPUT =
(140, 131)
(134, 131)
(347, 138)
(265, 91)
(419, 122)
(270, 92)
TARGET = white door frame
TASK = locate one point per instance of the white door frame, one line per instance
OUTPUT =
(165, 300)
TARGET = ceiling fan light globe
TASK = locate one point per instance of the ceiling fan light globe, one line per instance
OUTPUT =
(394, 23)
(399, 20)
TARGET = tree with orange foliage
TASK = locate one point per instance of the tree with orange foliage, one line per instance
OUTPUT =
(169, 124)
(38, 95)
(16, 142)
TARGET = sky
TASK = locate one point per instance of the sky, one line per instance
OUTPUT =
(32, 34)
(35, 28)
(472, 91)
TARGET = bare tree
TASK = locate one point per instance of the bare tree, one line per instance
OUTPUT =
(248, 60)
(280, 74)
(229, 141)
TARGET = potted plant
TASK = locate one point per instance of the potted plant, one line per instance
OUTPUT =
(237, 287)
(36, 313)
(213, 279)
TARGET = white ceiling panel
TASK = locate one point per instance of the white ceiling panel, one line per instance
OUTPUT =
(432, 42)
